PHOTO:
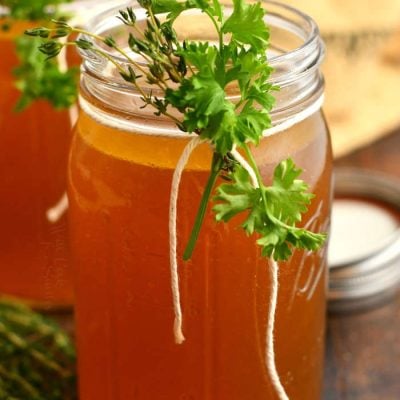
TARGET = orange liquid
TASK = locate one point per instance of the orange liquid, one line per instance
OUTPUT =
(34, 146)
(119, 190)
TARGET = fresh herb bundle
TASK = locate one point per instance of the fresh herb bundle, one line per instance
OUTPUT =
(34, 78)
(37, 357)
(195, 79)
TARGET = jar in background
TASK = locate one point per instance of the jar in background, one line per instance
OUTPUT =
(121, 166)
(34, 147)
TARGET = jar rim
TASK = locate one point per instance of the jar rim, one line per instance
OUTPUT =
(313, 32)
(312, 37)
(295, 71)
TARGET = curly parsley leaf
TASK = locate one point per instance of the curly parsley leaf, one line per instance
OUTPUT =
(236, 196)
(274, 220)
(247, 26)
(174, 7)
(203, 96)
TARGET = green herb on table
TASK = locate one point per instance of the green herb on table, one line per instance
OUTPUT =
(37, 357)
(196, 79)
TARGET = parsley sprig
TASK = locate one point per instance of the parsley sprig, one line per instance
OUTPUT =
(196, 79)
(34, 78)
(37, 79)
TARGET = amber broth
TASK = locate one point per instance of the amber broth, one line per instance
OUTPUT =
(34, 147)
(119, 190)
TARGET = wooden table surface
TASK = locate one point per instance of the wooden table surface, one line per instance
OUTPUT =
(363, 349)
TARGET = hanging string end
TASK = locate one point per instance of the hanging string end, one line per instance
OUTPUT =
(179, 337)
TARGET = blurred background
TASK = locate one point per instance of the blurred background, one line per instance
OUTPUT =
(362, 68)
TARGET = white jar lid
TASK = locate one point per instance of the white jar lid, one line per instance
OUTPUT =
(364, 249)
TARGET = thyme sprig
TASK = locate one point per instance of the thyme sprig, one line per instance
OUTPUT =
(195, 79)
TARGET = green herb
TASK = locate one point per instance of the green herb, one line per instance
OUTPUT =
(37, 357)
(195, 79)
(271, 211)
(37, 79)
(34, 78)
(29, 10)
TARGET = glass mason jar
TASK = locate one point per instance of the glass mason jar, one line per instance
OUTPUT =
(34, 147)
(120, 171)
(34, 150)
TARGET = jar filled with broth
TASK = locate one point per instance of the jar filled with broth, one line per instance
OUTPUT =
(122, 162)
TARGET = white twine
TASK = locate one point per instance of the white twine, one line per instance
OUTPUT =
(176, 179)
(273, 301)
(274, 268)
(269, 347)
(55, 213)
(245, 165)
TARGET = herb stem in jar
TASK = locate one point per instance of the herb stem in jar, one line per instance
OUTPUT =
(216, 165)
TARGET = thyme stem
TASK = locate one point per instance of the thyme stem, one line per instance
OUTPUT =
(121, 51)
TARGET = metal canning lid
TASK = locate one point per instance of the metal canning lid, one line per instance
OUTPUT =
(364, 249)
